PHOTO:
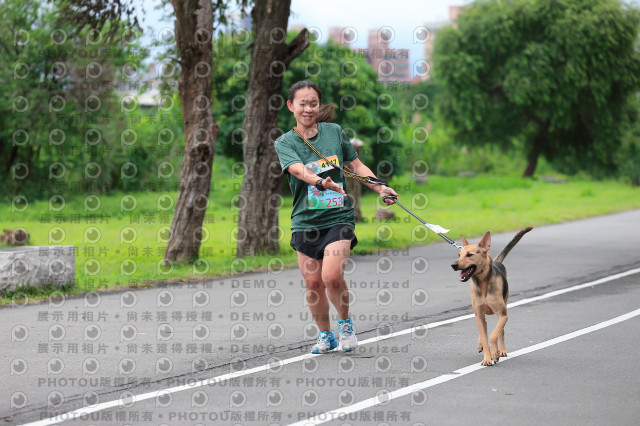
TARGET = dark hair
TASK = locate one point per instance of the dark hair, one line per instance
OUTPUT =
(326, 111)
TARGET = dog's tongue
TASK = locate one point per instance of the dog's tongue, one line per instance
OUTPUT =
(464, 274)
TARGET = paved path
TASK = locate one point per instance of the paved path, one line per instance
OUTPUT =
(235, 351)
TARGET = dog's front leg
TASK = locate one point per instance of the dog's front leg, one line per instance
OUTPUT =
(480, 339)
(484, 339)
(498, 332)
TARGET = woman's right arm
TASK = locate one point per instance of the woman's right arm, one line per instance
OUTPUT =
(299, 171)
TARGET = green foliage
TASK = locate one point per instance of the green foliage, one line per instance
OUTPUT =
(429, 146)
(58, 111)
(628, 154)
(157, 152)
(557, 74)
(231, 58)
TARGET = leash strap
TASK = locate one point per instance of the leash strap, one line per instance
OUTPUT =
(345, 170)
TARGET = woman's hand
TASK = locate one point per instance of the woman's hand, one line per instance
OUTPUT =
(328, 183)
(386, 191)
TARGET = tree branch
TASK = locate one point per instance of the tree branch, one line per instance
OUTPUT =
(98, 14)
(296, 47)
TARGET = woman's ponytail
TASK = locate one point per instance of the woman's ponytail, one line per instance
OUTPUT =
(326, 113)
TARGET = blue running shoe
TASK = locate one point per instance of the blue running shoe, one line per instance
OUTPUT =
(348, 340)
(326, 342)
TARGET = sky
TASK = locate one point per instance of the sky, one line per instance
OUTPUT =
(403, 17)
(400, 17)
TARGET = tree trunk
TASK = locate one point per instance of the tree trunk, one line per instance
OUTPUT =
(194, 31)
(258, 230)
(536, 148)
(12, 158)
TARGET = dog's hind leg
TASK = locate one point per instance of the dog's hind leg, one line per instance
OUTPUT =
(501, 345)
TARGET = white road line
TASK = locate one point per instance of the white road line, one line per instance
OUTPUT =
(387, 397)
(219, 379)
(510, 305)
(149, 395)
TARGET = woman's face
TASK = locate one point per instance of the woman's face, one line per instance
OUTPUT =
(305, 107)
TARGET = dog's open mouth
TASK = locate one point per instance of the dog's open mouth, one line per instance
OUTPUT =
(465, 274)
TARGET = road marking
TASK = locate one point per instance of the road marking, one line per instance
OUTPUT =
(387, 397)
(510, 305)
(280, 363)
(149, 395)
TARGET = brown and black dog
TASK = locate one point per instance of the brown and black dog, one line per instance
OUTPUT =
(489, 290)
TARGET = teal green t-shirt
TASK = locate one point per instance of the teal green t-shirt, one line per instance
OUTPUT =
(313, 209)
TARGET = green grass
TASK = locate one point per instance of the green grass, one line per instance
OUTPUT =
(469, 206)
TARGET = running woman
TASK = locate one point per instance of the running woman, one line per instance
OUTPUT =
(323, 219)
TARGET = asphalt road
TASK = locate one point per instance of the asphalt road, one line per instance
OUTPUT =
(235, 351)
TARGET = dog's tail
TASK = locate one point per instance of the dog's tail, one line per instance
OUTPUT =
(514, 241)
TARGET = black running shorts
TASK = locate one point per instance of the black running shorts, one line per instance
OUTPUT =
(312, 243)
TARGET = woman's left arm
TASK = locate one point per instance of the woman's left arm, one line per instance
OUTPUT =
(360, 168)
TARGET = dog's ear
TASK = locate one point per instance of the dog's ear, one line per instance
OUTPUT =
(485, 242)
(464, 241)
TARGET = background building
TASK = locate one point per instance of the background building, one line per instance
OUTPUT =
(392, 65)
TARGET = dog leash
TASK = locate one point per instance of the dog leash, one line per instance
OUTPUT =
(345, 170)
(375, 181)
(435, 228)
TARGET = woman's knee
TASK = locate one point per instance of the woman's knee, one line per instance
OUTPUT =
(333, 280)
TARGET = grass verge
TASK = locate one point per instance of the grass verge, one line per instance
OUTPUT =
(120, 238)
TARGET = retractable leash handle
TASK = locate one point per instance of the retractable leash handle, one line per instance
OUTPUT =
(435, 228)
(376, 181)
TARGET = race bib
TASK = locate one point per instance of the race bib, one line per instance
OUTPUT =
(326, 199)
(320, 166)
